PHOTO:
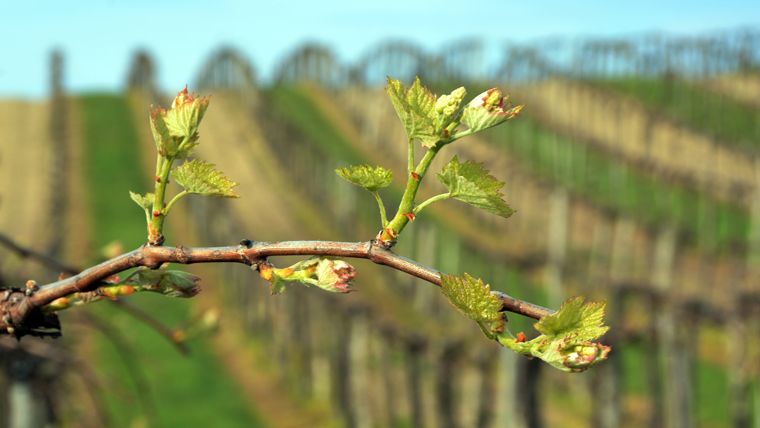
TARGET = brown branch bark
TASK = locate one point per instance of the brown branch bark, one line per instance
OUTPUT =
(17, 308)
(58, 266)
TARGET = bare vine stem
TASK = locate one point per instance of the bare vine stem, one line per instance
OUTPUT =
(56, 265)
(18, 309)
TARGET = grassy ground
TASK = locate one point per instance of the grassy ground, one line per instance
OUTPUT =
(610, 184)
(185, 391)
(706, 111)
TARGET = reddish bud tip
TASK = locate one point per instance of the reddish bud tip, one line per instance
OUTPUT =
(158, 179)
(410, 216)
(520, 337)
(156, 213)
(416, 176)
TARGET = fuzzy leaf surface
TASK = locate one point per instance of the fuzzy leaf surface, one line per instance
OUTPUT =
(416, 109)
(470, 183)
(487, 110)
(575, 317)
(146, 202)
(372, 179)
(567, 335)
(201, 178)
(472, 298)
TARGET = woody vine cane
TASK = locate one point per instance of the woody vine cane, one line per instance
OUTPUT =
(566, 336)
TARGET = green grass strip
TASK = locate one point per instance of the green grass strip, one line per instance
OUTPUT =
(613, 185)
(188, 391)
(711, 113)
(291, 103)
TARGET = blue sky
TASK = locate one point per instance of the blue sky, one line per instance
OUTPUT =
(98, 38)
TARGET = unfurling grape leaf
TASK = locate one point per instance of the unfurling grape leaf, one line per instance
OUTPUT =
(567, 335)
(470, 183)
(416, 109)
(146, 202)
(186, 114)
(474, 300)
(575, 317)
(367, 177)
(328, 273)
(487, 110)
(201, 178)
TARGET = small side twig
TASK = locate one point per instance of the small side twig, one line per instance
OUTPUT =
(45, 259)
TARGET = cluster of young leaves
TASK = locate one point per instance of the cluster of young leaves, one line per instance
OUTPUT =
(175, 132)
(327, 273)
(435, 122)
(176, 135)
(566, 336)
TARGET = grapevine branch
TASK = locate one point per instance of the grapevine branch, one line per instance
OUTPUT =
(56, 265)
(20, 311)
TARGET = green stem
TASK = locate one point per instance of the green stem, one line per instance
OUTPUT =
(156, 227)
(407, 201)
(485, 331)
(410, 168)
(460, 135)
(163, 169)
(159, 158)
(421, 206)
(382, 209)
(174, 201)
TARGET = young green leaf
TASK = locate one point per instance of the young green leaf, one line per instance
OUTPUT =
(186, 114)
(201, 178)
(575, 317)
(416, 109)
(567, 335)
(367, 177)
(168, 143)
(146, 202)
(473, 299)
(160, 130)
(487, 110)
(420, 100)
(470, 183)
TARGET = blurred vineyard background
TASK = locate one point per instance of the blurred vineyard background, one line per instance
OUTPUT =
(634, 169)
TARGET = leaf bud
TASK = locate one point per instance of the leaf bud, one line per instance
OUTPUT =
(335, 275)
